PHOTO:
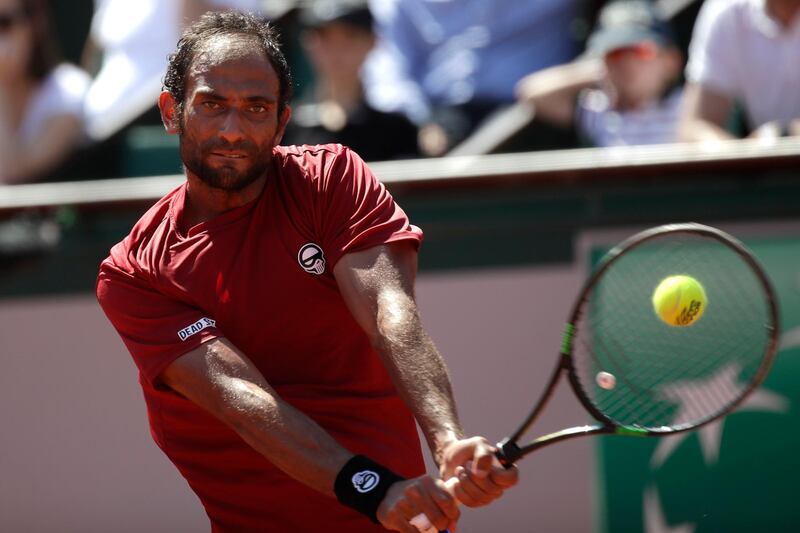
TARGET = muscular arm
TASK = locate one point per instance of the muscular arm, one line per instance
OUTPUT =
(223, 381)
(219, 378)
(378, 288)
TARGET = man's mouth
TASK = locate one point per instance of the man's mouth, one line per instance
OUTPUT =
(229, 155)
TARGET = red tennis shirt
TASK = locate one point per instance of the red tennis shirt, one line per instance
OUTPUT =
(261, 275)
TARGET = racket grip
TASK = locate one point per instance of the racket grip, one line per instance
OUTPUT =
(421, 521)
(507, 454)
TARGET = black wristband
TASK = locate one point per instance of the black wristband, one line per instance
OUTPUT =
(362, 484)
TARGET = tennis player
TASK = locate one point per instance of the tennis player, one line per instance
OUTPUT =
(268, 303)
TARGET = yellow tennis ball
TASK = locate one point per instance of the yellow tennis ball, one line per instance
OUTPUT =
(679, 300)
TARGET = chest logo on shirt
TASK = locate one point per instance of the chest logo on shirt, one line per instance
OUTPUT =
(365, 481)
(311, 258)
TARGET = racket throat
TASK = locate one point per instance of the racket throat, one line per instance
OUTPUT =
(508, 452)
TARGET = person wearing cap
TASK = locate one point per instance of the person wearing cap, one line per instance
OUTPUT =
(337, 38)
(623, 90)
(449, 65)
(745, 54)
(40, 96)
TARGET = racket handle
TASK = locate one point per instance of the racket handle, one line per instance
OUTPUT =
(507, 454)
(421, 521)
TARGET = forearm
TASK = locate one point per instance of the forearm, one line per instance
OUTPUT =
(23, 163)
(418, 371)
(378, 287)
(704, 112)
(285, 436)
(552, 92)
(700, 130)
(224, 382)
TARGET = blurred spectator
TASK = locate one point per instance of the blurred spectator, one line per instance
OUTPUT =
(131, 40)
(448, 64)
(624, 91)
(40, 98)
(337, 39)
(745, 53)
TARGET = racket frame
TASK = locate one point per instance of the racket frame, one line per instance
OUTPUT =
(509, 450)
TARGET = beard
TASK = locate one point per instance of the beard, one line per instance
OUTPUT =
(225, 177)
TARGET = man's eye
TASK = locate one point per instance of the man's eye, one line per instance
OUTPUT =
(211, 105)
(257, 109)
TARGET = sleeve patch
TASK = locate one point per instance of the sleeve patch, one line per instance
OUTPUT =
(197, 327)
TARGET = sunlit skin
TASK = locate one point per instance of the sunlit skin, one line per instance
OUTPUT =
(228, 126)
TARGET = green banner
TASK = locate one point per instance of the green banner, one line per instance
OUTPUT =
(738, 474)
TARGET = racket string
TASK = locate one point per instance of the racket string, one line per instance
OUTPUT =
(663, 371)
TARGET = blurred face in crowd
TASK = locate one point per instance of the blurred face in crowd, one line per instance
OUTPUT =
(15, 40)
(230, 119)
(337, 50)
(640, 74)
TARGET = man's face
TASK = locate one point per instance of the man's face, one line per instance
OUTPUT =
(230, 121)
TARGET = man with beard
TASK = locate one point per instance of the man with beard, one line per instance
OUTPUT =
(268, 304)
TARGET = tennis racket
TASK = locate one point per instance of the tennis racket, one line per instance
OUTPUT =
(635, 374)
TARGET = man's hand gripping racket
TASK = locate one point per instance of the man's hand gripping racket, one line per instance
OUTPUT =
(638, 375)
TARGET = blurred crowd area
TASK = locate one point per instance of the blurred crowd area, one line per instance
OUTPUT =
(398, 79)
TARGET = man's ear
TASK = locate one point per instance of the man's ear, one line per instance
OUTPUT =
(282, 122)
(169, 112)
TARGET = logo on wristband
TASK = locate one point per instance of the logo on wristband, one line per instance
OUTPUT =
(365, 481)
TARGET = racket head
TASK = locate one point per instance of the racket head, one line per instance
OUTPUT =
(667, 379)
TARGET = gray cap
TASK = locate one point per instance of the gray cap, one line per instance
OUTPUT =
(625, 23)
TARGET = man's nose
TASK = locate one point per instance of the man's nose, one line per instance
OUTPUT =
(231, 127)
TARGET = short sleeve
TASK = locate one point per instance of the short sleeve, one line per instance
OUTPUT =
(359, 212)
(712, 52)
(155, 328)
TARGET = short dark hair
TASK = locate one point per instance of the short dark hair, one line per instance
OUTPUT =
(215, 23)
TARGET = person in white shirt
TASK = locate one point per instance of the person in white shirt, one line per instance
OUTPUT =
(40, 98)
(450, 64)
(745, 53)
(134, 37)
(624, 90)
